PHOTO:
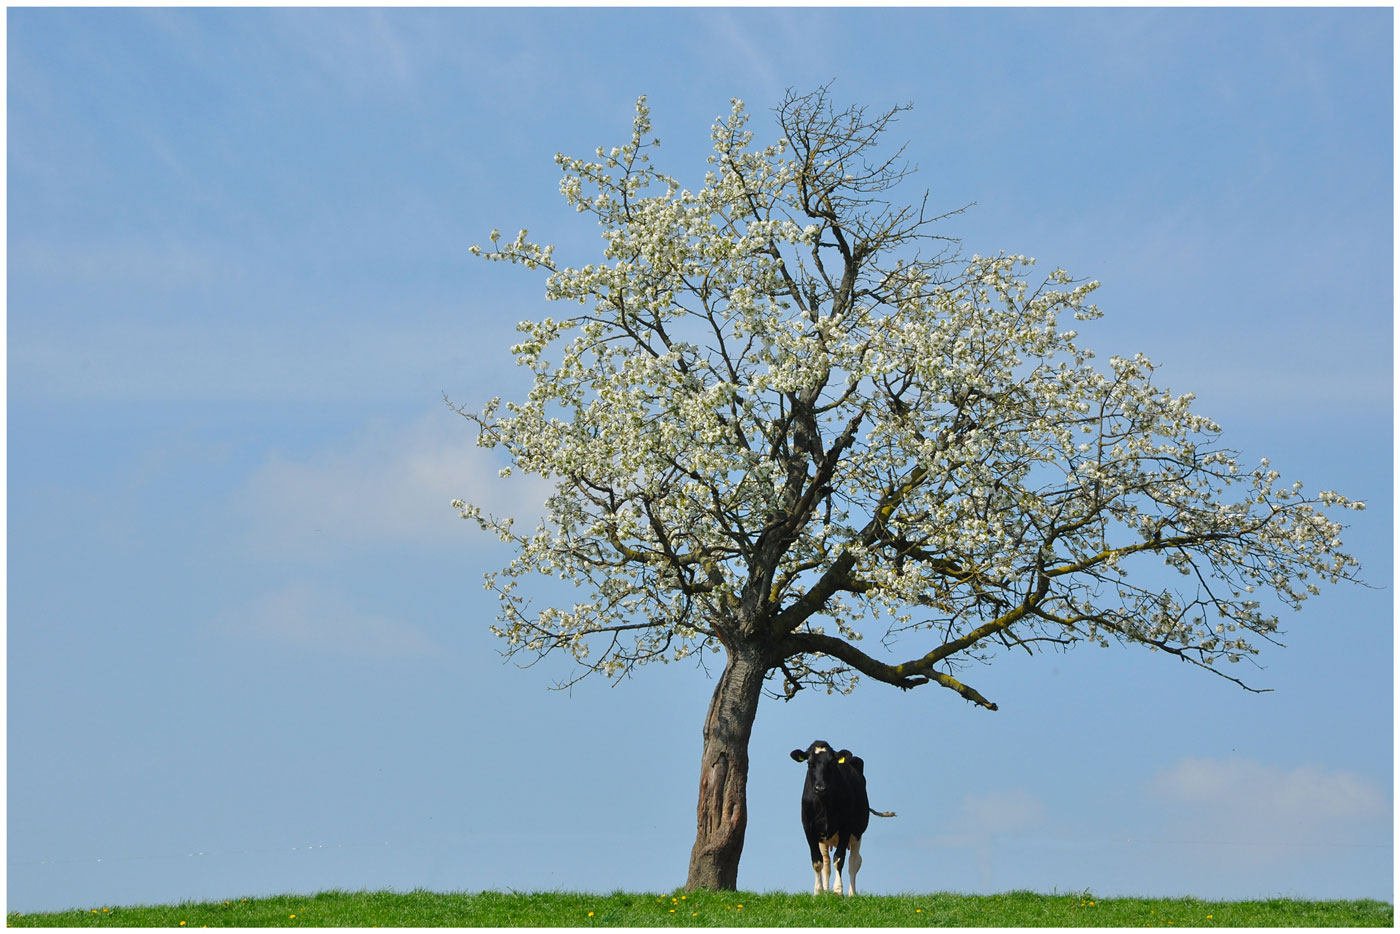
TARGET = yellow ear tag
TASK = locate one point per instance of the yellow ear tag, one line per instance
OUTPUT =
(841, 761)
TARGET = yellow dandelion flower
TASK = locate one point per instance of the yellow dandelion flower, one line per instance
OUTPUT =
(182, 924)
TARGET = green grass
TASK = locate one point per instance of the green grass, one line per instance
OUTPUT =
(726, 909)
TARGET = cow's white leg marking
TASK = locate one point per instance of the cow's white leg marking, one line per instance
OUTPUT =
(824, 871)
(829, 848)
(855, 864)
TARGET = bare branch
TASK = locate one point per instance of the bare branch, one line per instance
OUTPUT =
(906, 676)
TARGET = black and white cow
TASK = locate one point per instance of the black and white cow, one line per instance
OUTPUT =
(835, 812)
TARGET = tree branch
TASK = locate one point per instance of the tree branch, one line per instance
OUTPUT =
(905, 676)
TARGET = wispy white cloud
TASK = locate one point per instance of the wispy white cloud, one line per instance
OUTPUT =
(391, 485)
(981, 817)
(362, 51)
(981, 821)
(192, 358)
(305, 616)
(163, 266)
(1250, 801)
(1011, 811)
(734, 36)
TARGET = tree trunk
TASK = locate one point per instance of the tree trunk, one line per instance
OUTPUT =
(722, 812)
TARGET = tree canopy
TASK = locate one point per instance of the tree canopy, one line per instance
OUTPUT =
(787, 413)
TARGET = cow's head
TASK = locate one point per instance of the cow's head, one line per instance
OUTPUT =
(822, 762)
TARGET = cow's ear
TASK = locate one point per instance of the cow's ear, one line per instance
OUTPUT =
(798, 755)
(843, 755)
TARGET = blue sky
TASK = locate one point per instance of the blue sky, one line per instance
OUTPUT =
(247, 639)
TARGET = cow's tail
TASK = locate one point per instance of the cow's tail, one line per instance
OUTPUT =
(881, 813)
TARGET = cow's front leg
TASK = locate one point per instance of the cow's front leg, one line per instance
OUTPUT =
(823, 868)
(838, 864)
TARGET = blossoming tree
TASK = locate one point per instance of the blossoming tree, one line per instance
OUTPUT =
(783, 413)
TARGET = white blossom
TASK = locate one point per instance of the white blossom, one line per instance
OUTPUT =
(744, 444)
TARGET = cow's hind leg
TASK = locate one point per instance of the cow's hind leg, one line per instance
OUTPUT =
(855, 864)
(839, 863)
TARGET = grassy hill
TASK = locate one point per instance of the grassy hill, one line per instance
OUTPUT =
(705, 909)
